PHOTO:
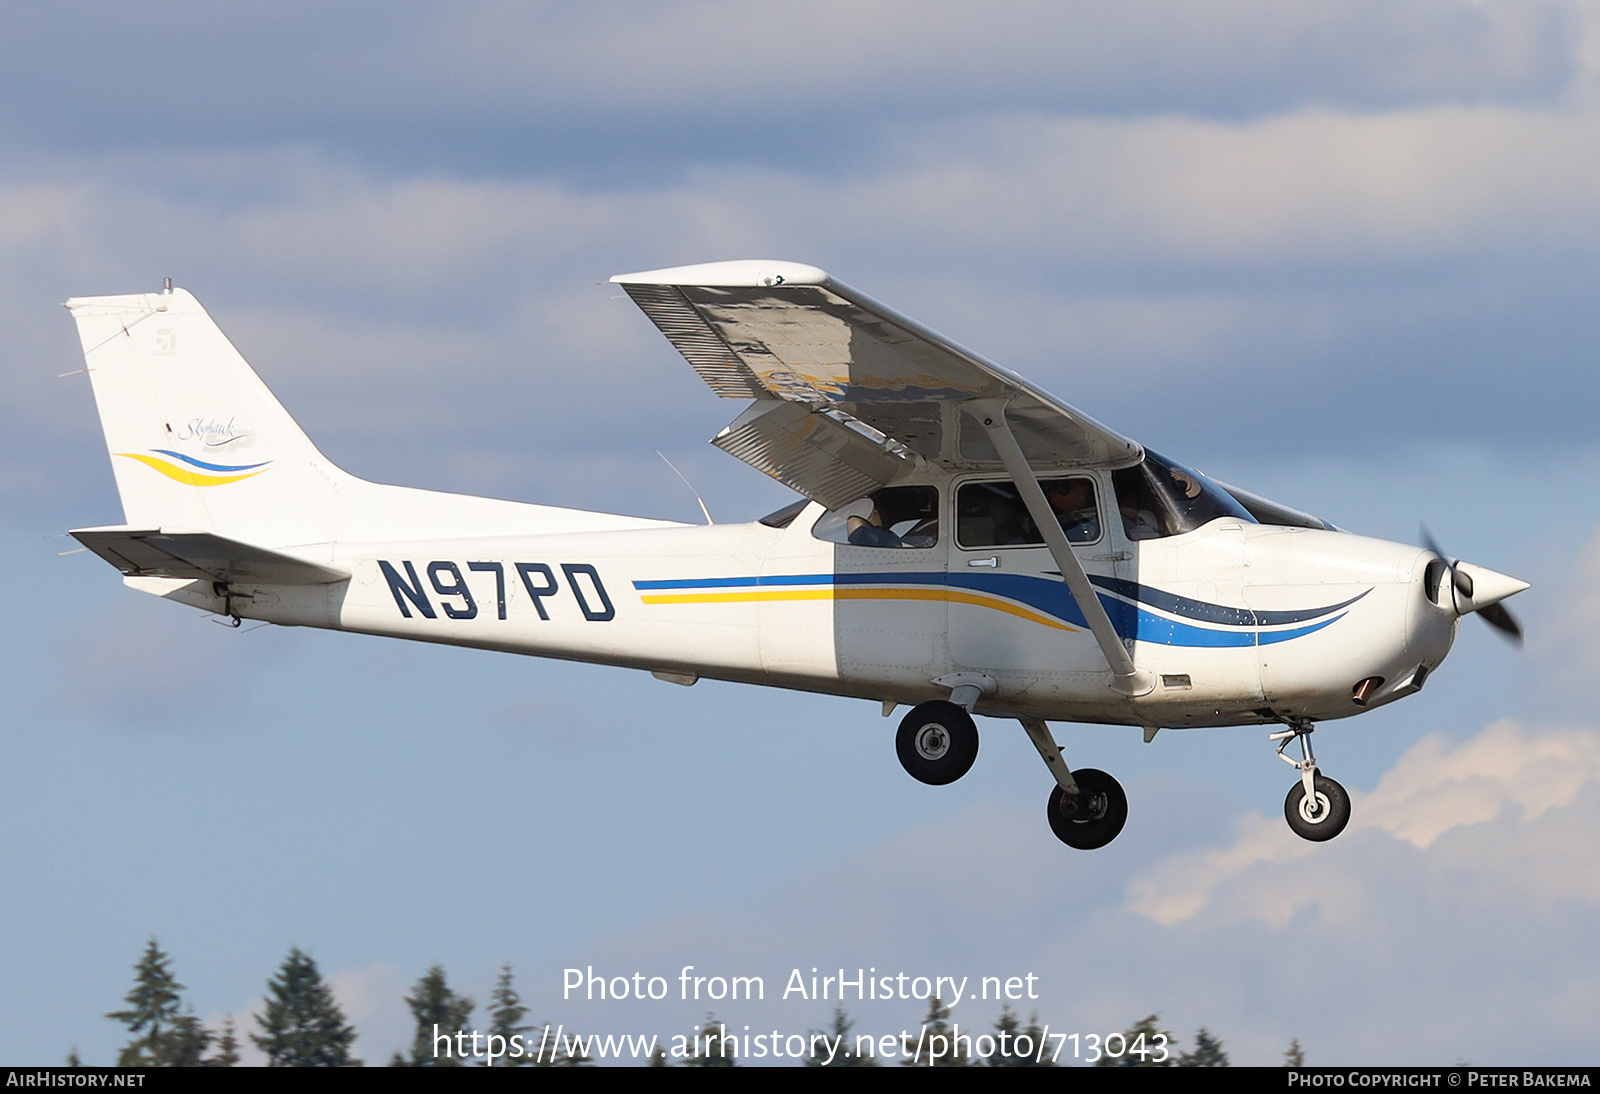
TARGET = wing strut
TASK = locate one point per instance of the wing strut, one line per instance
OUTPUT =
(1126, 678)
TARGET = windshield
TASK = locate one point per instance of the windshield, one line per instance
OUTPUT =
(1160, 498)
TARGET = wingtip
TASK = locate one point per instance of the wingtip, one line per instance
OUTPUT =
(744, 273)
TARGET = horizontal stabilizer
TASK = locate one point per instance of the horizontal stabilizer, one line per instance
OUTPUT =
(156, 552)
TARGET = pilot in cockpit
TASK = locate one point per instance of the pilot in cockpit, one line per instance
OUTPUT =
(1072, 501)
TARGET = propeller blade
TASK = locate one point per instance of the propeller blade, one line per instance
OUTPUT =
(1501, 620)
(1430, 544)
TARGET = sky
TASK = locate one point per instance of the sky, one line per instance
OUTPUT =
(1342, 254)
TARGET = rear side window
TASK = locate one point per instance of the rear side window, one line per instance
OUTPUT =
(782, 518)
(894, 517)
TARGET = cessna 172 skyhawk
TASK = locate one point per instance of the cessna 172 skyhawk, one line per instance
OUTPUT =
(966, 543)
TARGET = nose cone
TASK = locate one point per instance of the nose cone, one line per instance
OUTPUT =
(1487, 587)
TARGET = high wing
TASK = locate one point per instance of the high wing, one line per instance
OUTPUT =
(850, 395)
(165, 552)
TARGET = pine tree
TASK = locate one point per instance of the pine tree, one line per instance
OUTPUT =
(844, 1055)
(1144, 1044)
(565, 1057)
(1207, 1052)
(303, 1025)
(711, 1046)
(505, 1021)
(1008, 1029)
(1036, 1039)
(187, 1042)
(227, 1054)
(1295, 1056)
(541, 1047)
(153, 1015)
(936, 1024)
(438, 1011)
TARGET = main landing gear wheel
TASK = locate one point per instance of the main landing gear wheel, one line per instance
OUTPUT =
(1102, 810)
(937, 742)
(1320, 817)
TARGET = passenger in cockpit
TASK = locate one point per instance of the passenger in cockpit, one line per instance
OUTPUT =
(866, 529)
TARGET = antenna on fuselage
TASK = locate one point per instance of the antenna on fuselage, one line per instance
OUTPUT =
(687, 483)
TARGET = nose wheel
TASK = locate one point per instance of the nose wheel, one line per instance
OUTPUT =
(1319, 816)
(1317, 808)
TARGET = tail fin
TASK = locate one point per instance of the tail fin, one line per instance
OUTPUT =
(196, 439)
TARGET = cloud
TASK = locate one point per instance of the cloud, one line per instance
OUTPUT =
(31, 213)
(1306, 187)
(1051, 192)
(478, 78)
(1569, 644)
(1502, 795)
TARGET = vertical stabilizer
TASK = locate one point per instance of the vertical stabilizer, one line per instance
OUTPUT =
(196, 439)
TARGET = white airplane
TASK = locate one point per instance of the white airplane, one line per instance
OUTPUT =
(965, 544)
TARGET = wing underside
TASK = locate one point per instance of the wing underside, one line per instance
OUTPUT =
(849, 395)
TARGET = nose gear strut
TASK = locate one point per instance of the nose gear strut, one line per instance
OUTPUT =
(1317, 807)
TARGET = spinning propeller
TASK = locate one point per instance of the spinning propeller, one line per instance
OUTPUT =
(1476, 589)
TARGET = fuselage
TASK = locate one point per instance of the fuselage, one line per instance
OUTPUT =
(1241, 622)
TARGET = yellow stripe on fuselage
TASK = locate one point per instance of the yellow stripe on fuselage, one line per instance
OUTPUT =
(954, 596)
(188, 478)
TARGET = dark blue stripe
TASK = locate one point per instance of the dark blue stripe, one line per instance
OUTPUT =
(740, 582)
(209, 466)
(1214, 613)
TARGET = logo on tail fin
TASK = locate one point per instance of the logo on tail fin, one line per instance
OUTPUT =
(214, 433)
(193, 472)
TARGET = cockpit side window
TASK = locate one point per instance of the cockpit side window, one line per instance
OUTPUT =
(895, 517)
(993, 514)
(1160, 498)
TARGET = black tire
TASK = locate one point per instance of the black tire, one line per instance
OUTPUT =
(937, 742)
(1102, 811)
(1329, 816)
